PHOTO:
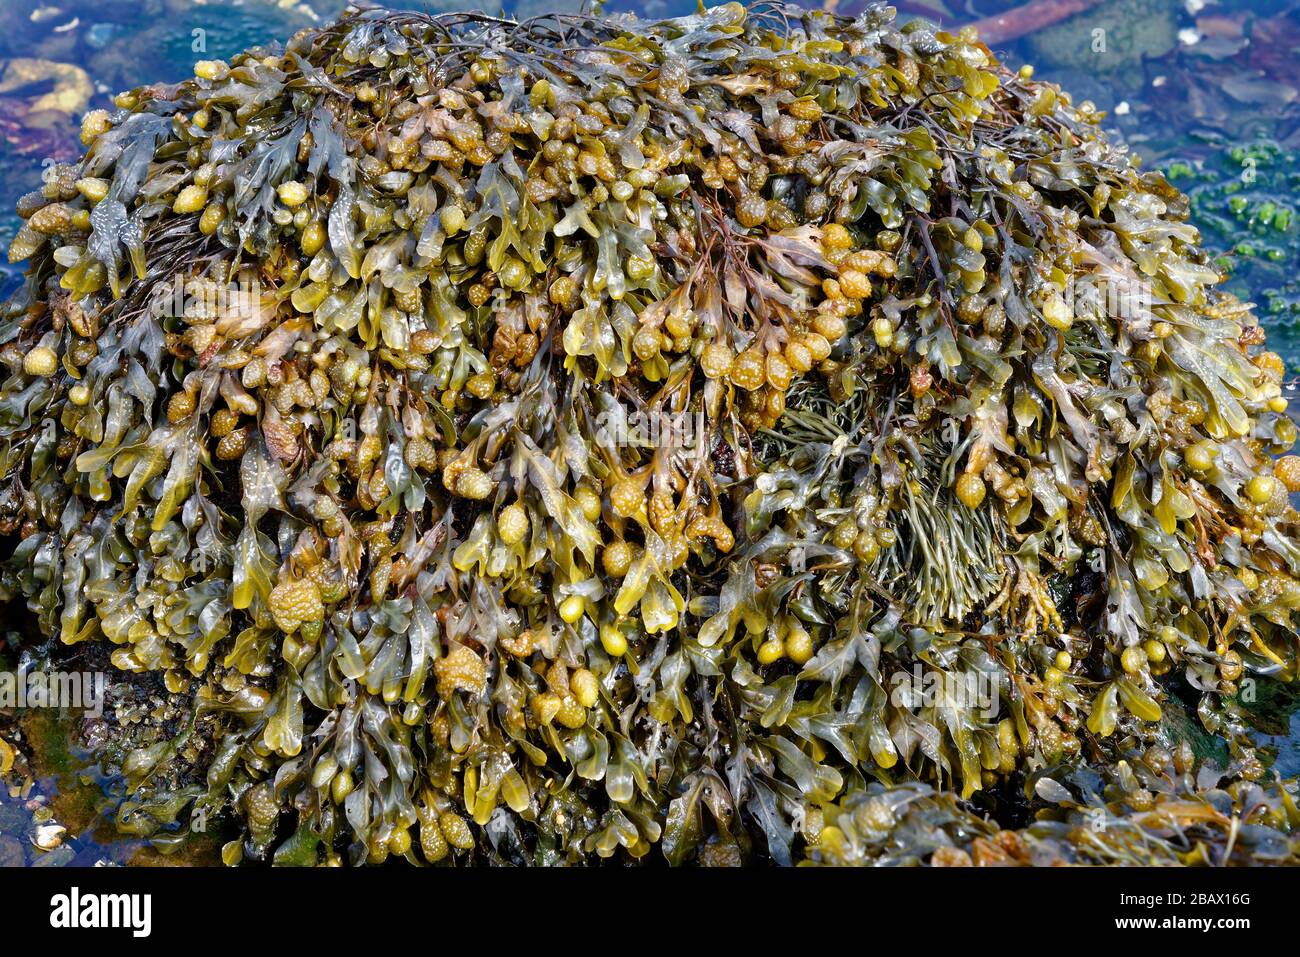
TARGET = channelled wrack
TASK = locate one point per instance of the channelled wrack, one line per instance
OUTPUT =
(588, 437)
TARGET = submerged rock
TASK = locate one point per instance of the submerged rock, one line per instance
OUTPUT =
(48, 837)
(70, 88)
(11, 852)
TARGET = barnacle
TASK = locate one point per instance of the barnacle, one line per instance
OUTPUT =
(624, 434)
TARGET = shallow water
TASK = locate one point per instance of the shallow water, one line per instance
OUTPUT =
(1208, 93)
(56, 781)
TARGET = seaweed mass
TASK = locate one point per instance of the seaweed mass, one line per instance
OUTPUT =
(758, 435)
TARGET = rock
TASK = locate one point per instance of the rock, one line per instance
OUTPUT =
(11, 852)
(13, 819)
(49, 837)
(101, 35)
(72, 87)
(61, 857)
